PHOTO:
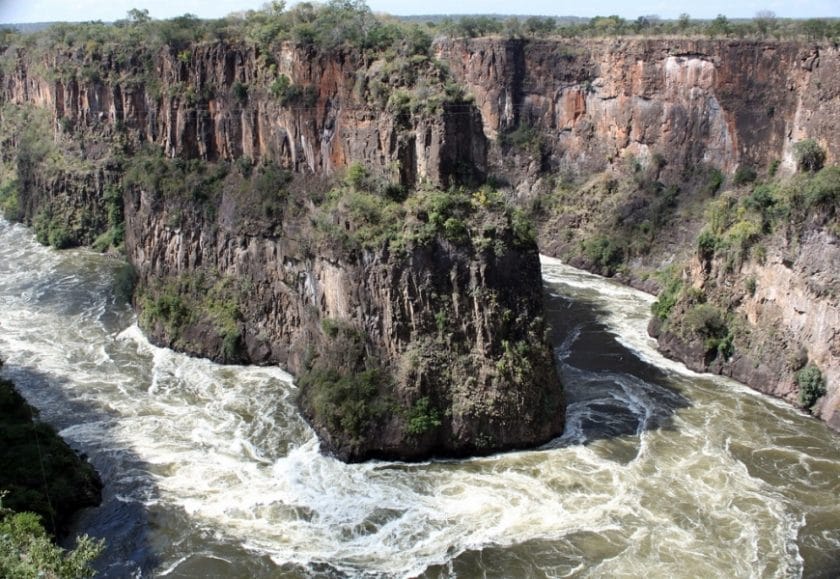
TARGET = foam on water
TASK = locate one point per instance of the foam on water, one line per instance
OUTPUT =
(683, 478)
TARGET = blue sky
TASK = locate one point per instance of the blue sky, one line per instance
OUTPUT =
(108, 10)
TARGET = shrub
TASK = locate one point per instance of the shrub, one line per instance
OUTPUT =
(668, 296)
(240, 92)
(811, 385)
(423, 417)
(346, 402)
(523, 228)
(26, 550)
(714, 179)
(744, 175)
(52, 230)
(707, 243)
(705, 320)
(357, 176)
(824, 188)
(809, 155)
(10, 200)
(604, 252)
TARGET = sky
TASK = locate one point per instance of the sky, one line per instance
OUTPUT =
(13, 11)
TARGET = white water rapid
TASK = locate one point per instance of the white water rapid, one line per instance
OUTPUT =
(210, 471)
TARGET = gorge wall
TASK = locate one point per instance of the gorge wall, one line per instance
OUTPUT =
(593, 136)
(412, 316)
(724, 103)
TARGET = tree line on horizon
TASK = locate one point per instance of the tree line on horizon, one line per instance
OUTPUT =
(351, 23)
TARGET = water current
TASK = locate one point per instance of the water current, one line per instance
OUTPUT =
(210, 472)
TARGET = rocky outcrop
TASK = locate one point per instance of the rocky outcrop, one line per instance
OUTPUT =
(303, 110)
(651, 128)
(436, 347)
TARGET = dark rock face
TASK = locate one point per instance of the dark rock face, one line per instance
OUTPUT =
(67, 482)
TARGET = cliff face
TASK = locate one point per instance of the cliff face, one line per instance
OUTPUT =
(781, 312)
(220, 103)
(723, 103)
(423, 339)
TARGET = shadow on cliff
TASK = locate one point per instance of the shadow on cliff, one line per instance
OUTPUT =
(610, 391)
(122, 521)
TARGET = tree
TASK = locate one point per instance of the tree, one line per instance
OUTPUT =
(26, 550)
(720, 26)
(683, 22)
(136, 16)
(765, 21)
(809, 155)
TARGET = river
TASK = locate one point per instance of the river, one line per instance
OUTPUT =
(210, 472)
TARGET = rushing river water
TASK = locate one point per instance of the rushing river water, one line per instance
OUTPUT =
(210, 472)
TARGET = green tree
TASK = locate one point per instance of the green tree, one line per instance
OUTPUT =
(136, 16)
(720, 26)
(809, 155)
(811, 385)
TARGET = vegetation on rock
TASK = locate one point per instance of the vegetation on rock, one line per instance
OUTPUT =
(42, 483)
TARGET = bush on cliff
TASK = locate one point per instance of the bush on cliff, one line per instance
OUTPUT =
(811, 385)
(10, 201)
(809, 155)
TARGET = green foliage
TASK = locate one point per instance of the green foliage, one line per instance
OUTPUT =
(515, 360)
(190, 299)
(524, 137)
(720, 26)
(422, 417)
(714, 180)
(51, 229)
(824, 189)
(345, 402)
(809, 155)
(707, 321)
(357, 176)
(672, 287)
(604, 252)
(26, 551)
(744, 175)
(10, 200)
(114, 237)
(707, 243)
(811, 385)
(524, 231)
(191, 179)
(292, 95)
(240, 92)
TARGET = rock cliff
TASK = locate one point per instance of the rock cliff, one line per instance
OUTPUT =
(724, 103)
(412, 317)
